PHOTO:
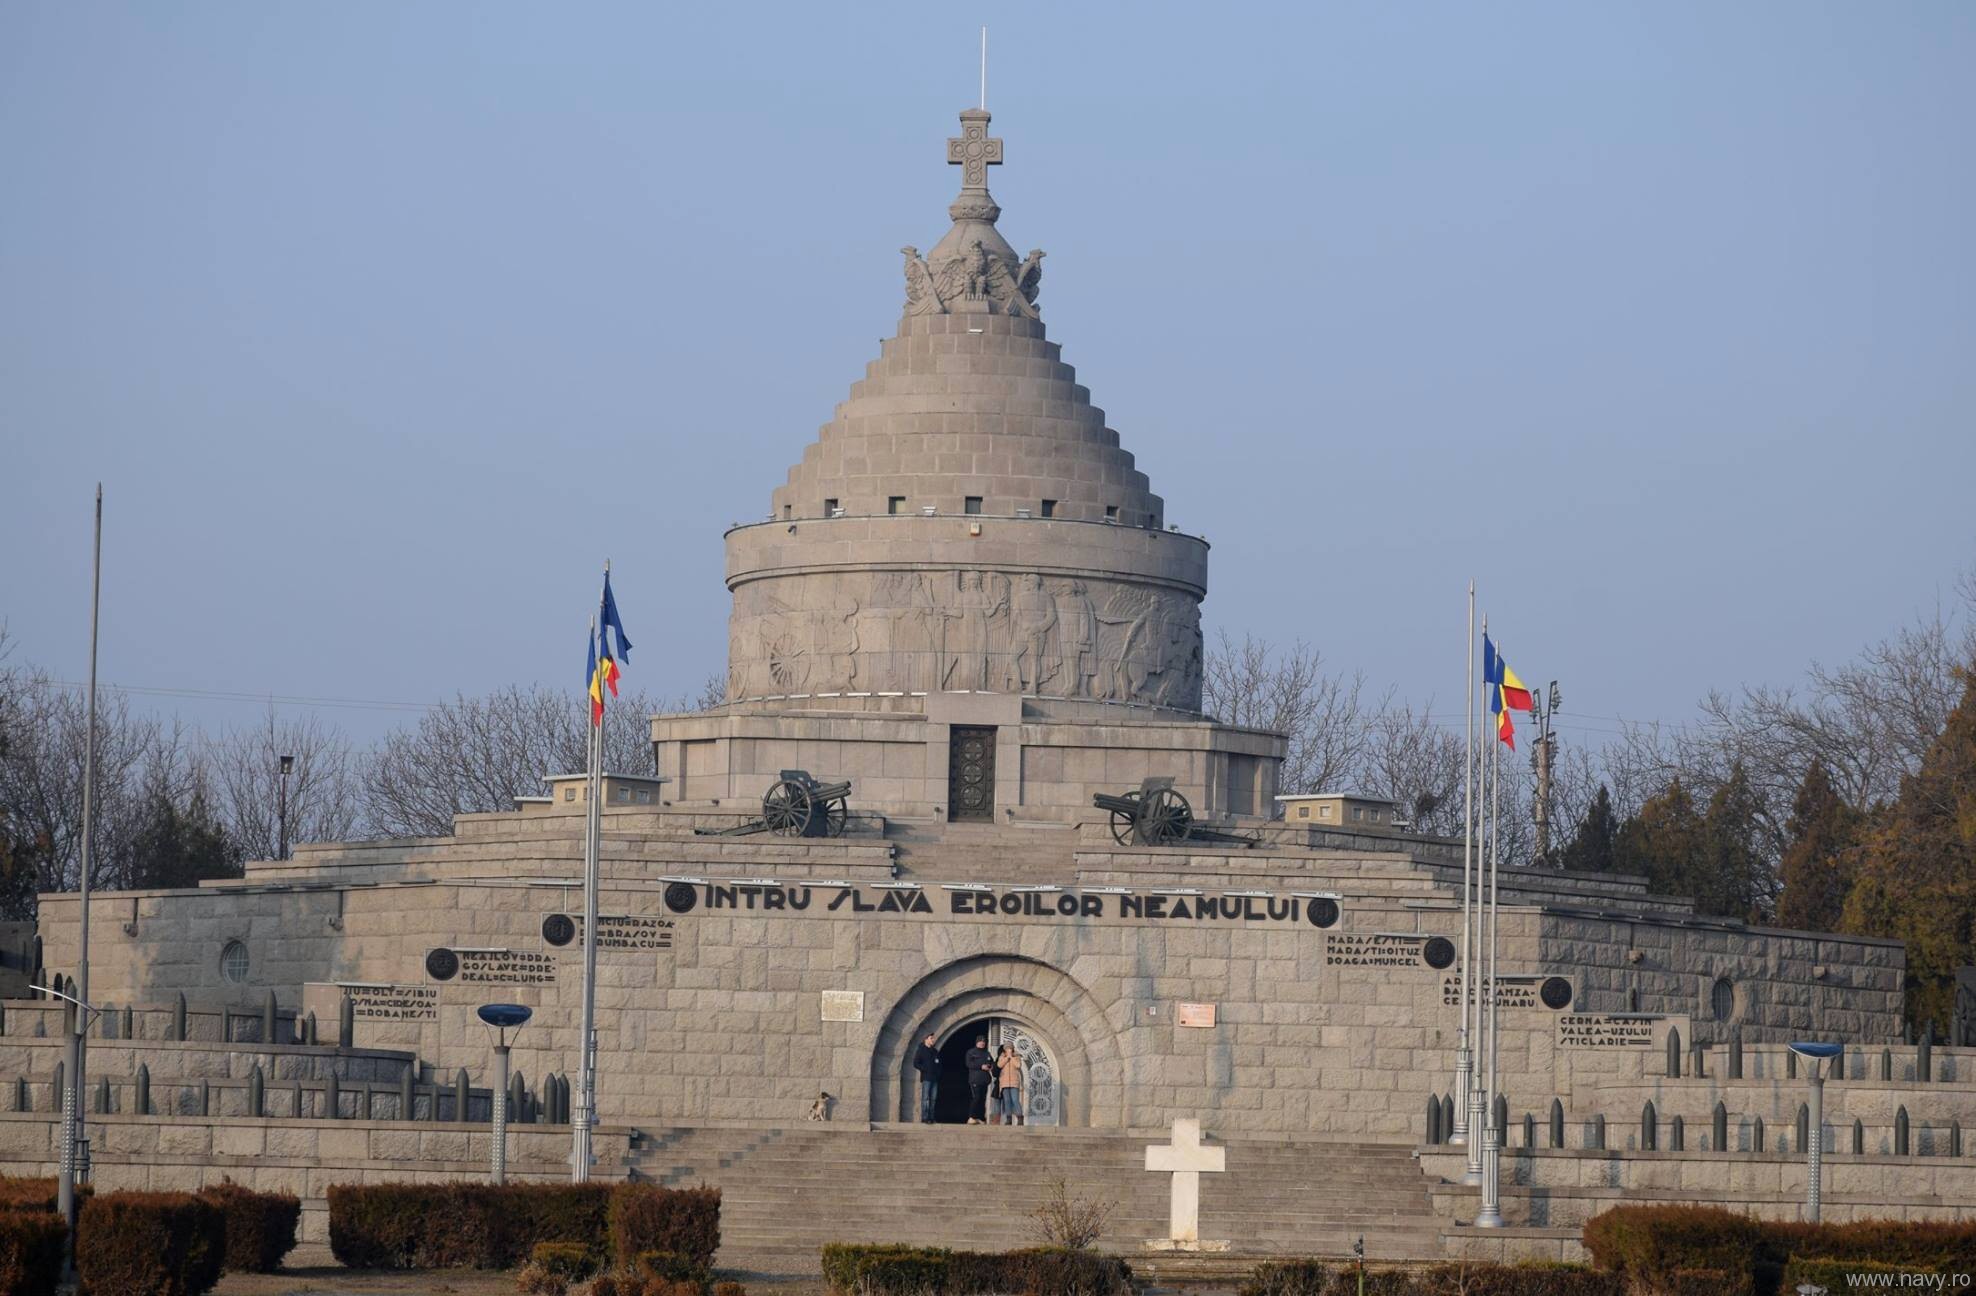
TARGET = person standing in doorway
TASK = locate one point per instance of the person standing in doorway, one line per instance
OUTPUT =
(980, 1070)
(926, 1061)
(1009, 1067)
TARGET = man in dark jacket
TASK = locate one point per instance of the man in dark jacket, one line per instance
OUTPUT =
(980, 1071)
(926, 1061)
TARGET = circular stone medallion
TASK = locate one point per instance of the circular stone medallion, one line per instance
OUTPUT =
(1439, 952)
(681, 896)
(1322, 913)
(558, 929)
(442, 964)
(1556, 993)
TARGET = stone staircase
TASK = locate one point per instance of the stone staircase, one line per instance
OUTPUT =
(786, 1191)
(1018, 855)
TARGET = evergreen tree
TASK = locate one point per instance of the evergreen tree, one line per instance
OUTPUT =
(1592, 847)
(180, 848)
(1917, 878)
(1821, 858)
(1733, 879)
(1663, 842)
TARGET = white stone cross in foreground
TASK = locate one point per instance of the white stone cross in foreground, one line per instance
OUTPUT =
(1186, 1160)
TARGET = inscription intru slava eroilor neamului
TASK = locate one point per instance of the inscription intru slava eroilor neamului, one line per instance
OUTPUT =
(697, 895)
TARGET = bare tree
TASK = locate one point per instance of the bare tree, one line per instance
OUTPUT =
(1254, 685)
(325, 793)
(1417, 764)
(476, 755)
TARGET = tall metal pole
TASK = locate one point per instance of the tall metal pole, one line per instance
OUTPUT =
(586, 1083)
(1815, 1141)
(77, 1048)
(1464, 1058)
(1491, 1214)
(1477, 1098)
(501, 1110)
(281, 848)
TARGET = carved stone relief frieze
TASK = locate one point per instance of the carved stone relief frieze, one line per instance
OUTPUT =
(938, 631)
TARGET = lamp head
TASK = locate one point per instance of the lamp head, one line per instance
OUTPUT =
(1816, 1049)
(505, 1016)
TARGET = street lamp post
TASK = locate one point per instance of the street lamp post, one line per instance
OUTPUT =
(1815, 1054)
(287, 765)
(73, 1155)
(502, 1018)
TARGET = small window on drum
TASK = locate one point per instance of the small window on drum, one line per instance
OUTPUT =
(1722, 999)
(233, 962)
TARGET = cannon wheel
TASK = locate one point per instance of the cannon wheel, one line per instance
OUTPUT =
(1124, 826)
(786, 809)
(834, 815)
(1167, 818)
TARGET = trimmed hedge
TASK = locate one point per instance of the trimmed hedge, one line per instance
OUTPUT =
(895, 1270)
(1681, 1249)
(30, 1251)
(468, 1225)
(1315, 1278)
(149, 1244)
(645, 1217)
(260, 1227)
(1840, 1275)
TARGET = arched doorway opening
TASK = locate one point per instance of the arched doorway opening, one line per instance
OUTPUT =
(1041, 1087)
(1077, 1064)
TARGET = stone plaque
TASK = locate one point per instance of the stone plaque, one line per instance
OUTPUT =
(490, 966)
(1195, 1014)
(1606, 1030)
(1387, 950)
(614, 932)
(393, 1002)
(843, 1005)
(1522, 990)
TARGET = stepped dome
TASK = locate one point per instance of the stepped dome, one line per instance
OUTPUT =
(966, 522)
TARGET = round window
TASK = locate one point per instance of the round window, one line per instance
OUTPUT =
(233, 962)
(1722, 999)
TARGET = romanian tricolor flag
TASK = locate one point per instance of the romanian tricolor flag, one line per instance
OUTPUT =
(1506, 692)
(601, 670)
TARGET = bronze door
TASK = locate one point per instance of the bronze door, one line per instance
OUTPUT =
(971, 773)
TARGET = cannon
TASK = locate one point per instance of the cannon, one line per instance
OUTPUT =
(1157, 815)
(795, 805)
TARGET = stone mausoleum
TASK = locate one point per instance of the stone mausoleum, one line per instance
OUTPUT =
(967, 601)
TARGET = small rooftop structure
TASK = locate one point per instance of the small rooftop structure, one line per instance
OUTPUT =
(1343, 810)
(570, 791)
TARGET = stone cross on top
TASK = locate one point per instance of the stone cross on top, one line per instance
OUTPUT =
(974, 152)
(1186, 1158)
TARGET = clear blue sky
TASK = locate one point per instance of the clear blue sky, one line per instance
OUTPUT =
(384, 324)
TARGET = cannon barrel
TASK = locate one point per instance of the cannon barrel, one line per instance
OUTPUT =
(1129, 804)
(830, 791)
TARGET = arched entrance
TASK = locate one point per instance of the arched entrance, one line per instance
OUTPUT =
(1076, 1066)
(1041, 1088)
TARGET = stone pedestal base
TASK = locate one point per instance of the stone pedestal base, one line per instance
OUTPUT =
(1175, 1244)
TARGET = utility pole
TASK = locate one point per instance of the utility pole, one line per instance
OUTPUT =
(1543, 760)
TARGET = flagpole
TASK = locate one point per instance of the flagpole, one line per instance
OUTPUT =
(77, 1047)
(1464, 1059)
(586, 1083)
(1479, 767)
(1491, 1215)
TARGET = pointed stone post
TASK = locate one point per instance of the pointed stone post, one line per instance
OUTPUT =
(205, 1097)
(129, 1023)
(1529, 1130)
(405, 1103)
(178, 1018)
(1677, 1136)
(1649, 1128)
(1859, 1137)
(1955, 1137)
(332, 1098)
(270, 1015)
(1719, 1128)
(1756, 1135)
(1448, 1111)
(59, 1088)
(295, 1107)
(1900, 1132)
(346, 1022)
(257, 1097)
(142, 1104)
(23, 1096)
(1886, 1064)
(462, 1096)
(1499, 1112)
(1697, 1056)
(1557, 1122)
(1598, 1132)
(1736, 1053)
(1924, 1055)
(309, 1029)
(1790, 1064)
(1433, 1120)
(1804, 1125)
(1673, 1055)
(103, 1096)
